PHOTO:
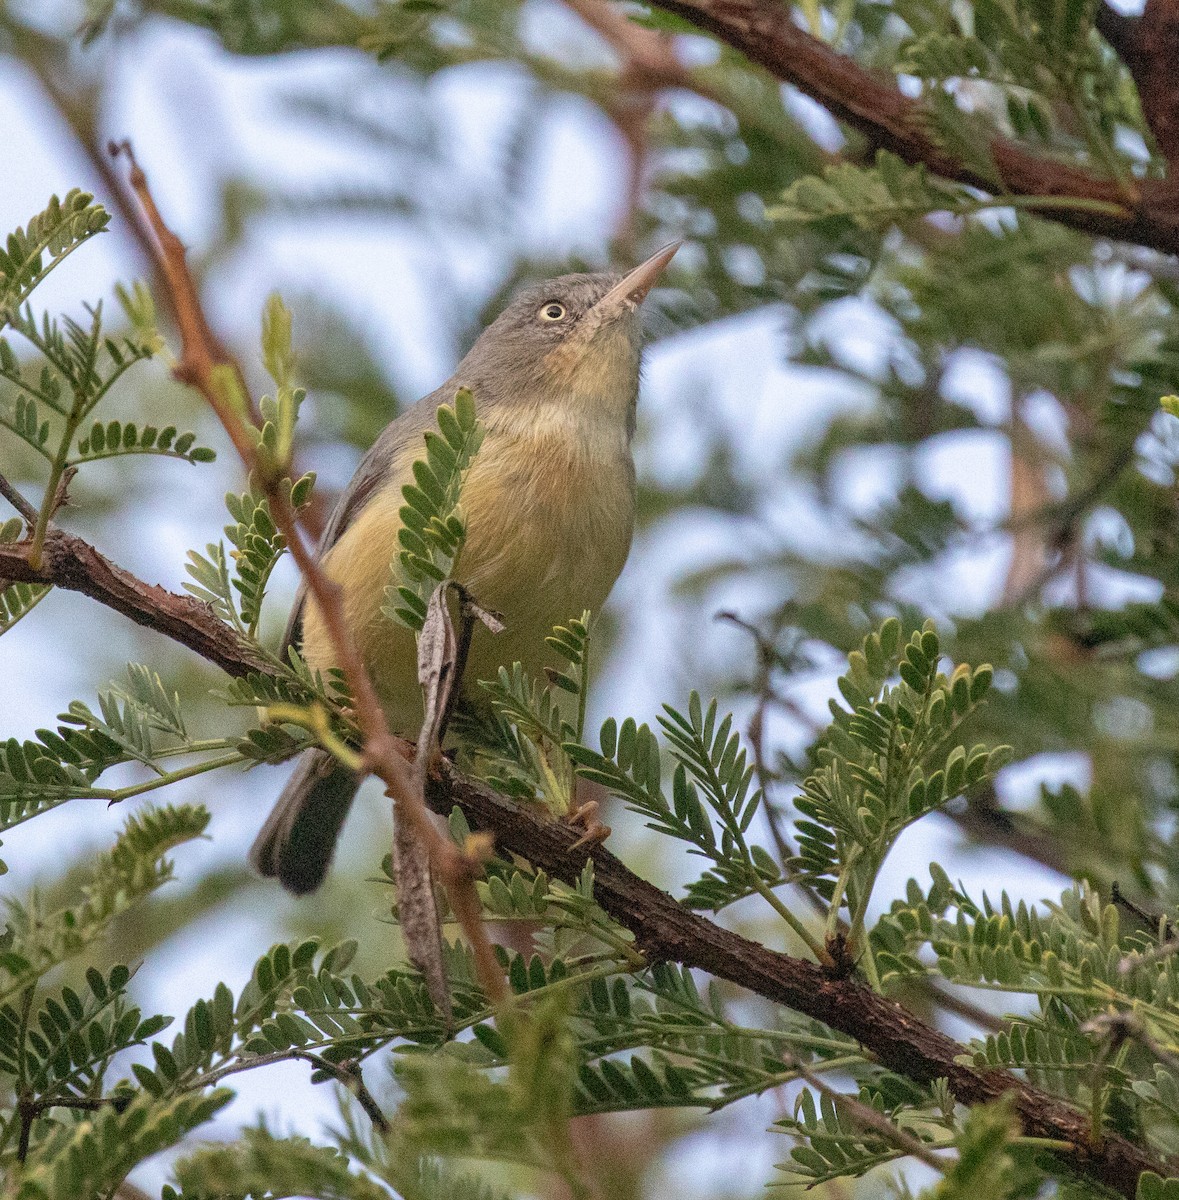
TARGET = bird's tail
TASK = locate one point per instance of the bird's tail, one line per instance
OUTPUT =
(299, 838)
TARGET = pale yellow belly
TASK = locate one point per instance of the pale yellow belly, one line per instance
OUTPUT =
(547, 534)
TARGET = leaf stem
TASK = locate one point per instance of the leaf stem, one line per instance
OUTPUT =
(114, 795)
(52, 501)
(808, 939)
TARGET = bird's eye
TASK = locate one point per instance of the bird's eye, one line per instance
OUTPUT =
(552, 312)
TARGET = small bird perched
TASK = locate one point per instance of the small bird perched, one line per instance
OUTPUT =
(549, 503)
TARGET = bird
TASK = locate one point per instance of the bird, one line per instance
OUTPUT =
(549, 504)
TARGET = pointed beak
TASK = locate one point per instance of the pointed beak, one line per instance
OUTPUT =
(632, 289)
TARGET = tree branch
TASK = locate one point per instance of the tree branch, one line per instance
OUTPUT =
(1143, 212)
(666, 931)
(663, 929)
(1120, 31)
(18, 502)
(73, 564)
(1152, 64)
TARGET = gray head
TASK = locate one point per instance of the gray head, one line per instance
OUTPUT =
(575, 336)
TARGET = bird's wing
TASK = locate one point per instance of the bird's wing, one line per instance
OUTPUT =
(374, 471)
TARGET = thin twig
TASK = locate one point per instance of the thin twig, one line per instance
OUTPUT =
(215, 375)
(1152, 919)
(18, 502)
(1118, 1027)
(31, 1109)
(202, 354)
(648, 56)
(27, 1117)
(348, 1074)
(763, 689)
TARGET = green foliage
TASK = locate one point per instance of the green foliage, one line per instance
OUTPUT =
(63, 1049)
(122, 437)
(433, 527)
(262, 1164)
(867, 197)
(837, 1142)
(91, 1157)
(1154, 1187)
(1105, 996)
(984, 1166)
(133, 868)
(522, 743)
(711, 772)
(79, 367)
(57, 232)
(17, 600)
(887, 760)
(273, 436)
(297, 1002)
(57, 1045)
(236, 593)
(66, 763)
(74, 367)
(1039, 60)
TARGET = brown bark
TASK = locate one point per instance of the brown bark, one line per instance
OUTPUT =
(765, 32)
(1154, 66)
(663, 929)
(71, 563)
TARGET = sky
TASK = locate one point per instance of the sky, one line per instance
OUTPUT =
(198, 117)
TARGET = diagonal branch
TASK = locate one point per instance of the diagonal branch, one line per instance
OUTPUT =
(73, 564)
(666, 931)
(18, 502)
(765, 32)
(663, 929)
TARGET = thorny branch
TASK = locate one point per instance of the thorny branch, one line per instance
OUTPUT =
(664, 930)
(215, 375)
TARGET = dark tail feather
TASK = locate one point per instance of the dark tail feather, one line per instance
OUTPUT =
(299, 838)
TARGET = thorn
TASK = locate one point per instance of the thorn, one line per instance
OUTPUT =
(586, 816)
